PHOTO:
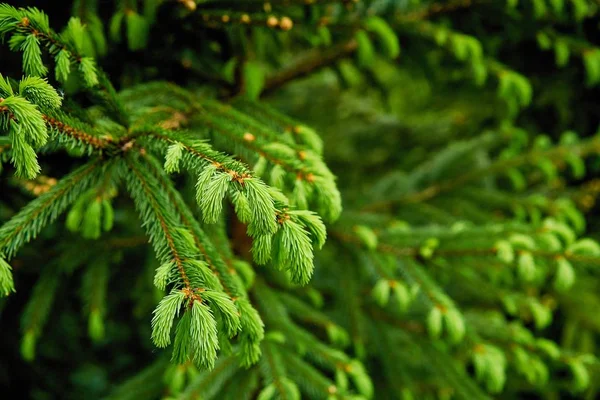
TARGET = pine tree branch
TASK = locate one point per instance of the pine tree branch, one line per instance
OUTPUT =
(30, 220)
(209, 252)
(78, 134)
(55, 45)
(434, 9)
(166, 230)
(555, 154)
(300, 172)
(276, 370)
(311, 61)
(225, 367)
(414, 252)
(222, 162)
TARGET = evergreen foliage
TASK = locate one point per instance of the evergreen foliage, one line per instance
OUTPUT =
(460, 135)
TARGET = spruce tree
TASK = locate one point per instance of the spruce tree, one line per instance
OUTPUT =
(172, 181)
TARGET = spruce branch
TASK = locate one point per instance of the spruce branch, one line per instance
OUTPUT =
(222, 18)
(556, 154)
(492, 251)
(226, 275)
(77, 134)
(196, 332)
(308, 63)
(273, 372)
(195, 148)
(144, 190)
(31, 27)
(26, 224)
(436, 8)
(204, 383)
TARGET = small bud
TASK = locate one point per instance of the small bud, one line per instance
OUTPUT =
(248, 137)
(434, 322)
(189, 4)
(272, 22)
(286, 24)
(225, 18)
(245, 19)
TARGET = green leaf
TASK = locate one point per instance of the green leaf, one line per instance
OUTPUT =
(361, 379)
(203, 335)
(558, 6)
(204, 178)
(224, 304)
(310, 138)
(561, 53)
(114, 28)
(164, 314)
(173, 157)
(455, 325)
(295, 252)
(28, 345)
(367, 236)
(264, 220)
(565, 275)
(560, 229)
(434, 322)
(526, 268)
(539, 8)
(542, 316)
(261, 248)
(108, 215)
(22, 154)
(7, 285)
(75, 33)
(365, 51)
(402, 295)
(37, 91)
(549, 347)
(32, 57)
(585, 246)
(385, 35)
(504, 251)
(96, 325)
(268, 392)
(6, 89)
(182, 345)
(381, 292)
(92, 220)
(63, 65)
(28, 120)
(254, 79)
(211, 202)
(580, 9)
(242, 206)
(87, 67)
(591, 61)
(581, 376)
(314, 224)
(137, 31)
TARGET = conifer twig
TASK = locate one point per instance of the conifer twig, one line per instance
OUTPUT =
(414, 252)
(583, 149)
(312, 61)
(164, 227)
(200, 239)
